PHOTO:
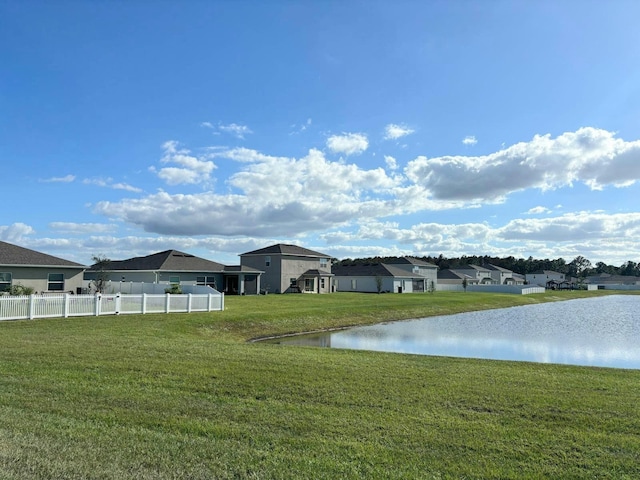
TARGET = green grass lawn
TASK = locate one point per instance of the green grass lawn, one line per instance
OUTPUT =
(186, 396)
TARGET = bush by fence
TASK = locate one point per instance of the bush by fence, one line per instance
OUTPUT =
(67, 305)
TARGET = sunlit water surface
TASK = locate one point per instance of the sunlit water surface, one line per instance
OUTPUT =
(602, 331)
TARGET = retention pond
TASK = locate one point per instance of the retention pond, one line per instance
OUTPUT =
(602, 331)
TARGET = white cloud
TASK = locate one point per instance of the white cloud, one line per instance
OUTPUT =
(239, 131)
(15, 232)
(65, 179)
(278, 196)
(469, 140)
(538, 210)
(393, 131)
(594, 235)
(591, 156)
(285, 197)
(191, 170)
(108, 183)
(391, 162)
(348, 143)
(82, 228)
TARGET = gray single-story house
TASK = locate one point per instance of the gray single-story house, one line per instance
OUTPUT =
(379, 277)
(44, 273)
(172, 267)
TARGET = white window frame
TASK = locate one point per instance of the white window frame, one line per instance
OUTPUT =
(267, 261)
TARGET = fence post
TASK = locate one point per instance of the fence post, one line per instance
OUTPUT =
(118, 303)
(221, 301)
(189, 303)
(144, 303)
(31, 306)
(167, 303)
(209, 301)
(65, 309)
(98, 304)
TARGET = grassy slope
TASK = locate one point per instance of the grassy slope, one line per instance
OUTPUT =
(185, 396)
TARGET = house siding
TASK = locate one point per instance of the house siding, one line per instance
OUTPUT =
(37, 277)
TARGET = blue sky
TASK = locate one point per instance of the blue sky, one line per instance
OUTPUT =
(352, 128)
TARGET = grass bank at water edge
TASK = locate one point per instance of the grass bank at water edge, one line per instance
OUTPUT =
(186, 396)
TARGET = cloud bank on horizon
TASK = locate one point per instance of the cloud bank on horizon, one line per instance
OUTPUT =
(384, 146)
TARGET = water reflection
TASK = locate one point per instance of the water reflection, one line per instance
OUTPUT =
(603, 331)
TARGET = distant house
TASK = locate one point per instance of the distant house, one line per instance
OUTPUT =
(504, 276)
(479, 275)
(172, 267)
(42, 272)
(546, 278)
(607, 279)
(454, 277)
(414, 265)
(379, 277)
(290, 269)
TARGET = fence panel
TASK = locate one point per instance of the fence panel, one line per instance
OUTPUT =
(199, 303)
(81, 305)
(14, 308)
(178, 303)
(131, 304)
(155, 303)
(66, 305)
(47, 306)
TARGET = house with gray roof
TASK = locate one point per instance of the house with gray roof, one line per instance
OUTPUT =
(379, 277)
(40, 271)
(415, 265)
(290, 269)
(173, 267)
(480, 275)
(455, 277)
(504, 276)
(546, 278)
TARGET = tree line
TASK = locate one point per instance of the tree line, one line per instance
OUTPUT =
(578, 267)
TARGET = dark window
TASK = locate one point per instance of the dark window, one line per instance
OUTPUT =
(5, 281)
(56, 282)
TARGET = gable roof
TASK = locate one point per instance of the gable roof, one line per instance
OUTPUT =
(19, 256)
(410, 261)
(169, 260)
(372, 270)
(449, 274)
(545, 272)
(286, 249)
(490, 266)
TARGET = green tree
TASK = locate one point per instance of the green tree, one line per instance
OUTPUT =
(101, 268)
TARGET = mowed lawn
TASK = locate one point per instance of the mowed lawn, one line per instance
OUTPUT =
(187, 396)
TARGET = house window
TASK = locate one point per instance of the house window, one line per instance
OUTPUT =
(206, 281)
(175, 280)
(56, 282)
(267, 261)
(353, 284)
(322, 283)
(324, 262)
(5, 281)
(293, 282)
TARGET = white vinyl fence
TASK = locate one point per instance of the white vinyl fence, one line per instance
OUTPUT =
(28, 307)
(517, 289)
